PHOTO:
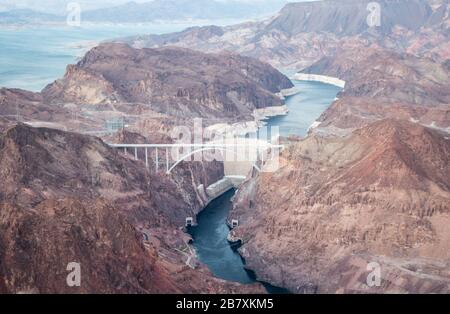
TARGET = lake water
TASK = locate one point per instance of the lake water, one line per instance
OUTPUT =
(305, 107)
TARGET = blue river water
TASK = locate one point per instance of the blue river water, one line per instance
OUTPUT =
(210, 236)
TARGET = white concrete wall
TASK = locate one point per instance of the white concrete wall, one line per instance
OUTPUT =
(215, 190)
(224, 185)
(319, 78)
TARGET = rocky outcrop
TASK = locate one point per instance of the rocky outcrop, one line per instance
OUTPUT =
(380, 195)
(38, 244)
(173, 81)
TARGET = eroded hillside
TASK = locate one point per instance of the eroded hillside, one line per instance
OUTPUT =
(380, 194)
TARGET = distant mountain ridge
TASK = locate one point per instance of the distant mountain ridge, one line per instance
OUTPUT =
(303, 33)
(22, 16)
(133, 12)
(183, 9)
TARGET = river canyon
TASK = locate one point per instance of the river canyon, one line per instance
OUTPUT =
(357, 178)
(211, 234)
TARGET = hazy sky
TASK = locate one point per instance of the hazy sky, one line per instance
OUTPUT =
(59, 6)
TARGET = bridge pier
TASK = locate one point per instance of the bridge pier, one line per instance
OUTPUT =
(146, 157)
(167, 160)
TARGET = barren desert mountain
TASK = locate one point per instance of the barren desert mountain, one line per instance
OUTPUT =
(173, 81)
(68, 197)
(349, 17)
(304, 32)
(381, 194)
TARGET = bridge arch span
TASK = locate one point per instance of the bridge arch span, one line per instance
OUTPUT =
(222, 149)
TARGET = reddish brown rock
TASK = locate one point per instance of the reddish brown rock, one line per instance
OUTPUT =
(174, 81)
(67, 197)
(381, 194)
(38, 243)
